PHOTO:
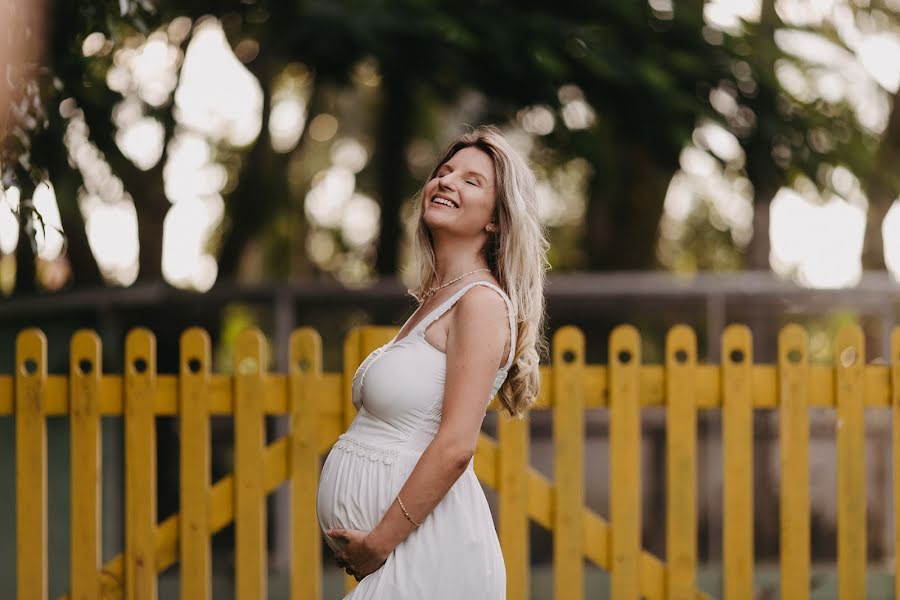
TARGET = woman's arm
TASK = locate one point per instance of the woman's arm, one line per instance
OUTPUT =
(476, 340)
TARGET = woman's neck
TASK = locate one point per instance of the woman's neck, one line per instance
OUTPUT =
(454, 259)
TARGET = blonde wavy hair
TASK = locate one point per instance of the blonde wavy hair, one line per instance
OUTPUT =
(516, 254)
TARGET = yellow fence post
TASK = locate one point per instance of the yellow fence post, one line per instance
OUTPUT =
(195, 460)
(737, 438)
(304, 404)
(85, 372)
(31, 465)
(512, 489)
(681, 463)
(625, 461)
(850, 390)
(568, 462)
(140, 465)
(793, 402)
(352, 358)
(895, 415)
(249, 440)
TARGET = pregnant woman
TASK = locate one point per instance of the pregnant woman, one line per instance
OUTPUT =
(398, 500)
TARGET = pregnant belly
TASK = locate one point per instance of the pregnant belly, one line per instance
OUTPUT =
(356, 486)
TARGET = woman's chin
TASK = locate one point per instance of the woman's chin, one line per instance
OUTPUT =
(437, 222)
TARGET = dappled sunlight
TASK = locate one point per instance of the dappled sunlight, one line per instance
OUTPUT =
(817, 238)
(193, 182)
(9, 226)
(329, 196)
(879, 54)
(862, 74)
(721, 142)
(141, 141)
(190, 170)
(818, 243)
(153, 68)
(858, 67)
(216, 94)
(217, 101)
(112, 232)
(144, 72)
(286, 122)
(712, 189)
(891, 234)
(147, 70)
(562, 193)
(343, 221)
(727, 15)
(537, 120)
(48, 238)
(323, 127)
(359, 225)
(816, 235)
(287, 118)
(186, 231)
(350, 154)
(799, 100)
(804, 13)
(576, 112)
(108, 210)
(321, 246)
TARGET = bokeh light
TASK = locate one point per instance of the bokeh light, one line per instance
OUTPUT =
(538, 120)
(286, 122)
(49, 237)
(141, 141)
(323, 127)
(328, 198)
(111, 229)
(817, 241)
(359, 225)
(9, 225)
(890, 231)
(216, 94)
(187, 227)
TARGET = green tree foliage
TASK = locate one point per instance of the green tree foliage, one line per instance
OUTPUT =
(647, 76)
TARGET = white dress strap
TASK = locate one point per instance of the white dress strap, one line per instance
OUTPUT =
(449, 302)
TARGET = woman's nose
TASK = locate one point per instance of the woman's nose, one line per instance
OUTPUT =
(446, 181)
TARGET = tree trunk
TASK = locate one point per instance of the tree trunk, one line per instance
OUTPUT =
(261, 192)
(625, 205)
(26, 268)
(392, 174)
(760, 246)
(767, 177)
(882, 187)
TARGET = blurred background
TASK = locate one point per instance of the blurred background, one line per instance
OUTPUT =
(252, 163)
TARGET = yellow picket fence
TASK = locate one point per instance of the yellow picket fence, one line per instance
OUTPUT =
(320, 409)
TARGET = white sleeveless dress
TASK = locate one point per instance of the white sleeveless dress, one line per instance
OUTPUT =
(399, 391)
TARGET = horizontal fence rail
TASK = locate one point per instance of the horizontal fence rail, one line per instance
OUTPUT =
(319, 409)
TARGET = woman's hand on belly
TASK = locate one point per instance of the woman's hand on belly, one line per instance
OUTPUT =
(359, 558)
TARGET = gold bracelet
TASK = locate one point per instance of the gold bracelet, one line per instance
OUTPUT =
(406, 514)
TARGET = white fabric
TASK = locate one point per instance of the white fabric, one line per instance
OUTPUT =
(455, 554)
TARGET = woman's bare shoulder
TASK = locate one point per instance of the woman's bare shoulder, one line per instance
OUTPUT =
(481, 312)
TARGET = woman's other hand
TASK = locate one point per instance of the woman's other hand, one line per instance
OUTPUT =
(359, 557)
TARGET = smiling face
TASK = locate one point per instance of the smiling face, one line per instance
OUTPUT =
(460, 199)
